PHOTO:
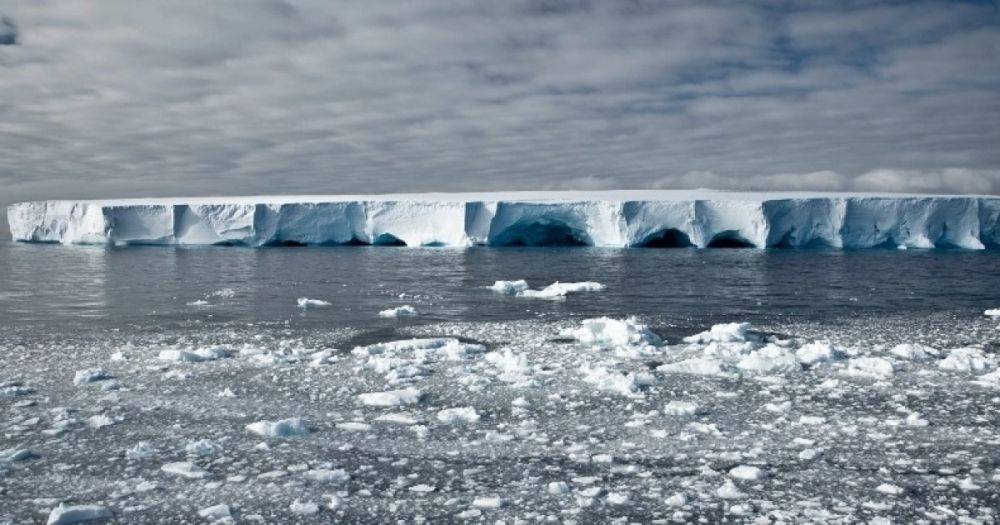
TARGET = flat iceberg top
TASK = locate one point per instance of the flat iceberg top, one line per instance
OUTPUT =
(622, 218)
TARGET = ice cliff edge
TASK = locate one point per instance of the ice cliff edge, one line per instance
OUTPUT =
(701, 218)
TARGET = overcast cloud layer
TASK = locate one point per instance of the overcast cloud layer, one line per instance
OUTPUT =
(132, 98)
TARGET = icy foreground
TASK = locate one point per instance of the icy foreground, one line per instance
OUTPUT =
(602, 420)
(701, 218)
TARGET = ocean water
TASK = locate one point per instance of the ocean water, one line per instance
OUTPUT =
(850, 386)
(99, 287)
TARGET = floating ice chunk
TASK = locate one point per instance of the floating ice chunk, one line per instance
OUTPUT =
(290, 427)
(458, 415)
(422, 488)
(488, 502)
(509, 287)
(215, 512)
(992, 312)
(629, 384)
(397, 419)
(90, 375)
(722, 333)
(746, 472)
(203, 448)
(812, 420)
(558, 290)
(890, 489)
(99, 421)
(140, 451)
(808, 454)
(771, 358)
(676, 500)
(305, 302)
(617, 498)
(513, 367)
(192, 356)
(990, 380)
(65, 515)
(696, 366)
(680, 408)
(16, 454)
(815, 352)
(199, 302)
(729, 490)
(399, 311)
(870, 367)
(225, 293)
(354, 426)
(913, 352)
(558, 487)
(391, 398)
(185, 469)
(606, 332)
(965, 360)
(336, 476)
(304, 508)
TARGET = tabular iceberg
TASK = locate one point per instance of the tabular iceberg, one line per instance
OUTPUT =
(700, 218)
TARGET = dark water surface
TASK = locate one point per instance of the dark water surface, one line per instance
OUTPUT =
(98, 287)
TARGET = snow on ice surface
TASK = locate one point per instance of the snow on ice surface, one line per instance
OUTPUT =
(797, 443)
(609, 218)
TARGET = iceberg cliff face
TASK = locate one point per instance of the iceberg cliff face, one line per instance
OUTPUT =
(615, 218)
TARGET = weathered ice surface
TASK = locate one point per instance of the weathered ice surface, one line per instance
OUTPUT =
(700, 218)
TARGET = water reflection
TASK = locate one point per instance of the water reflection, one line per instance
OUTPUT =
(153, 285)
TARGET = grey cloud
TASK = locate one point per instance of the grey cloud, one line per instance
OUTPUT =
(308, 96)
(8, 32)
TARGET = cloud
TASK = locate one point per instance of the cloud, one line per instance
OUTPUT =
(8, 32)
(308, 96)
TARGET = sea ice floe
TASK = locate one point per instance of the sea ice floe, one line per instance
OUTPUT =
(914, 352)
(605, 332)
(967, 359)
(512, 367)
(354, 426)
(196, 355)
(815, 352)
(397, 419)
(305, 302)
(992, 312)
(769, 359)
(90, 375)
(203, 448)
(391, 398)
(185, 469)
(401, 361)
(729, 490)
(746, 472)
(290, 427)
(12, 455)
(458, 415)
(215, 512)
(722, 333)
(695, 366)
(556, 290)
(65, 515)
(870, 367)
(680, 408)
(627, 384)
(331, 476)
(509, 287)
(304, 508)
(399, 311)
(140, 451)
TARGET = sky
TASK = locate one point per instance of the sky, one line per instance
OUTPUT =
(193, 98)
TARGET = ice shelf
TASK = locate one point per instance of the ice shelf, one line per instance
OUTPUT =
(633, 218)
